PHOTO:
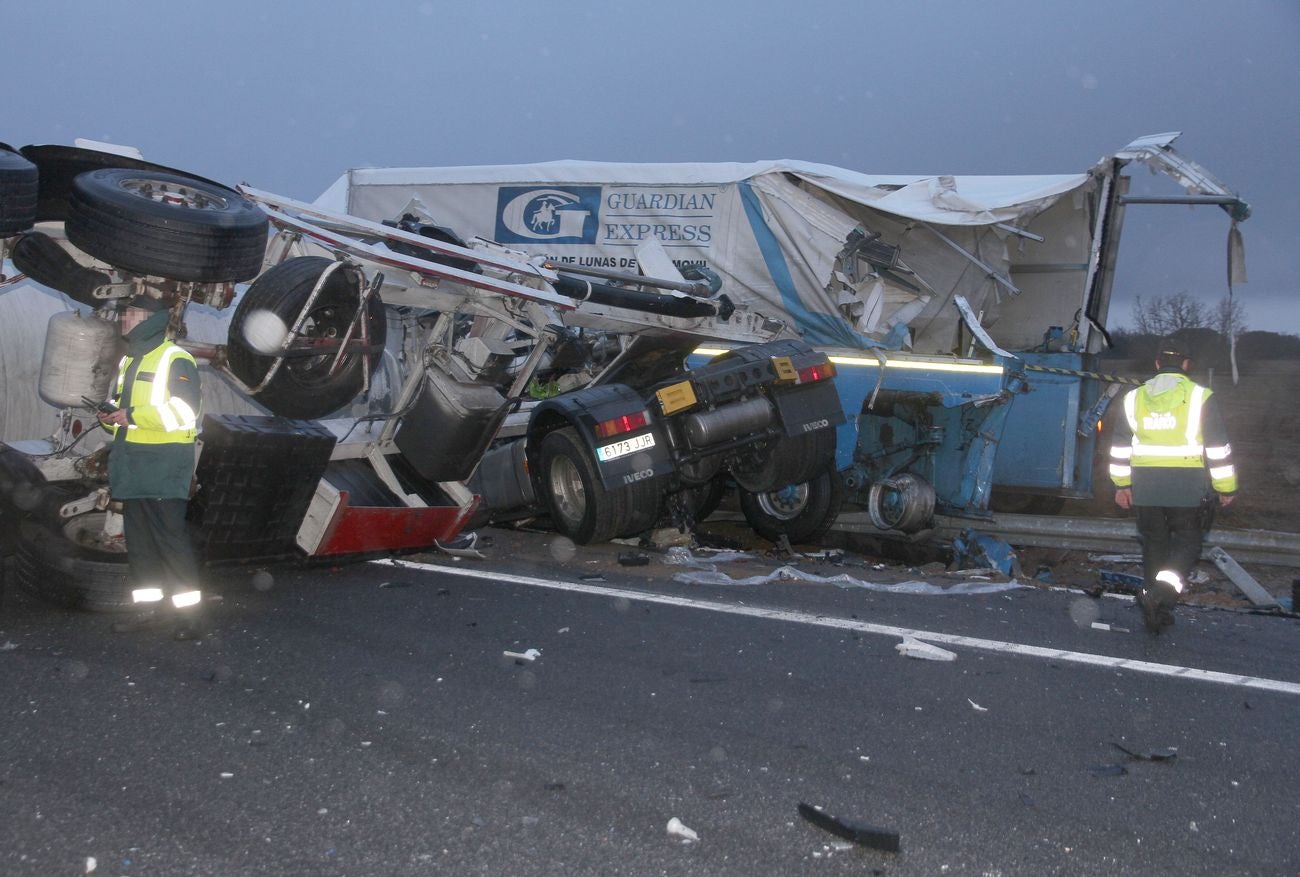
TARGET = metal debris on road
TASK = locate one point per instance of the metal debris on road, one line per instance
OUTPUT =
(859, 833)
(1164, 754)
(633, 558)
(1108, 770)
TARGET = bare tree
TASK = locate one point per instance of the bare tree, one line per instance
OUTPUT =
(1230, 317)
(1166, 314)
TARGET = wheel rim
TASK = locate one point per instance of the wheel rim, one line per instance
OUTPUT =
(567, 491)
(326, 322)
(784, 504)
(177, 194)
(87, 531)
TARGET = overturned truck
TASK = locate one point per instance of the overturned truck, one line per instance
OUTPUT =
(492, 384)
(965, 314)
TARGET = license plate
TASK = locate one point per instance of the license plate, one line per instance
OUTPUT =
(614, 450)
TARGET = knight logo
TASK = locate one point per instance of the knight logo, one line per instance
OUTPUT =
(552, 215)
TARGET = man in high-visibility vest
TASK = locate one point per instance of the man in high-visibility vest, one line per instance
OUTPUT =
(1169, 456)
(151, 466)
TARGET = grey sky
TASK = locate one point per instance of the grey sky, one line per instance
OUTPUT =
(286, 96)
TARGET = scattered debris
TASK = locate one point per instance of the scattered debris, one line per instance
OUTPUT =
(91, 864)
(1100, 625)
(790, 573)
(915, 648)
(1244, 581)
(8, 646)
(1165, 754)
(864, 835)
(530, 655)
(1108, 770)
(973, 548)
(633, 558)
(464, 545)
(591, 577)
(394, 584)
(978, 708)
(1122, 581)
(678, 829)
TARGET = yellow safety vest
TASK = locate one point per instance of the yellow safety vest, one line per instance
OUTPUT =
(1166, 432)
(159, 417)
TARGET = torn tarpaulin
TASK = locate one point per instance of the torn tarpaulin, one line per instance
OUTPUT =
(789, 573)
(866, 835)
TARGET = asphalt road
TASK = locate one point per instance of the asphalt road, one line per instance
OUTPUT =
(366, 720)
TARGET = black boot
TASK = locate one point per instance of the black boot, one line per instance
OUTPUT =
(1157, 604)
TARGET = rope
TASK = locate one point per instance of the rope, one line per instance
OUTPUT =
(1107, 379)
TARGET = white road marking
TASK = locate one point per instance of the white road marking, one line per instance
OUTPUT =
(988, 645)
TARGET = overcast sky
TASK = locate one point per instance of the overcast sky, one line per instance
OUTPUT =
(286, 96)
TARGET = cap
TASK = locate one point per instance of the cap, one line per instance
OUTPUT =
(146, 303)
(1172, 349)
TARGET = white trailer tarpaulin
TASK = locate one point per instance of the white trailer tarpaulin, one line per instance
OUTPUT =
(845, 258)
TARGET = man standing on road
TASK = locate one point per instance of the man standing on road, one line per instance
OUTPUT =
(1170, 455)
(151, 465)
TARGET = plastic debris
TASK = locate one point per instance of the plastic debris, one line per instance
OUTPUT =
(864, 835)
(1100, 625)
(843, 580)
(530, 655)
(91, 864)
(978, 708)
(678, 829)
(914, 648)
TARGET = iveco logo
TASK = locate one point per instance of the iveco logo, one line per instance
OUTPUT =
(551, 214)
(816, 424)
(638, 476)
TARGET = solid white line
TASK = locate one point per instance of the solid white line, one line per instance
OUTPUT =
(948, 639)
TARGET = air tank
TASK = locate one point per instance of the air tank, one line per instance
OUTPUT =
(81, 357)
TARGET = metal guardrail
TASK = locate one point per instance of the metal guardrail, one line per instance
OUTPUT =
(1265, 547)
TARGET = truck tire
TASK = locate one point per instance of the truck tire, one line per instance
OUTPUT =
(788, 460)
(801, 512)
(19, 188)
(59, 566)
(166, 225)
(579, 504)
(303, 388)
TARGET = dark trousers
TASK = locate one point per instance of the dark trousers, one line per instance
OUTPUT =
(1171, 539)
(158, 545)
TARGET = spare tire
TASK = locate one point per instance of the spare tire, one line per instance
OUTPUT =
(167, 225)
(303, 388)
(19, 185)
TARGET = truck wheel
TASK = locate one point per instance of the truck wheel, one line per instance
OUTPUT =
(19, 188)
(788, 460)
(66, 567)
(801, 512)
(171, 226)
(303, 388)
(580, 506)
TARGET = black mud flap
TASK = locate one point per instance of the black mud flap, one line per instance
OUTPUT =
(256, 477)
